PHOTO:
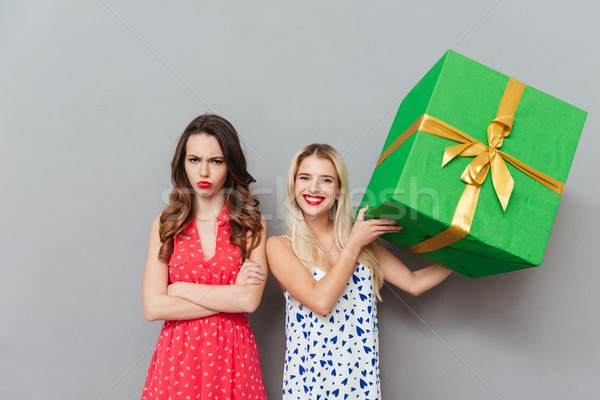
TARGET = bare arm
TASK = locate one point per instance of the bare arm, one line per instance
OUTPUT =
(414, 283)
(321, 296)
(242, 297)
(158, 305)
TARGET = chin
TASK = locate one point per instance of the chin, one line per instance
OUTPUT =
(204, 193)
(315, 214)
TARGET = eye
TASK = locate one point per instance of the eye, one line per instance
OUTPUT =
(326, 180)
(217, 161)
(303, 178)
(193, 160)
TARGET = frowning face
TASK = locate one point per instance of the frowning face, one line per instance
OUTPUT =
(205, 165)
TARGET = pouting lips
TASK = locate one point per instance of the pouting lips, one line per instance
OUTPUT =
(313, 200)
(204, 184)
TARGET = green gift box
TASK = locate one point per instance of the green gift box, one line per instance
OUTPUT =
(474, 167)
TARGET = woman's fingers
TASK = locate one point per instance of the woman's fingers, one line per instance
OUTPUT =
(252, 268)
(250, 273)
(256, 278)
(382, 222)
(361, 213)
(254, 272)
(384, 231)
(249, 263)
(376, 226)
(364, 232)
(247, 280)
(383, 226)
(253, 265)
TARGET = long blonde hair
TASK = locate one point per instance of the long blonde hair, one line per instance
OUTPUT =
(305, 244)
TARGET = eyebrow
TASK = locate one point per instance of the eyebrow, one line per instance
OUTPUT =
(322, 176)
(210, 158)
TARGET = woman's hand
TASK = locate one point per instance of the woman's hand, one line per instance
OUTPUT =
(364, 232)
(250, 273)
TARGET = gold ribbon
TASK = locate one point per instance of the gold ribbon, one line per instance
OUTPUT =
(487, 158)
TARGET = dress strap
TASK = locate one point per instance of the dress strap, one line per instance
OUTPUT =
(287, 237)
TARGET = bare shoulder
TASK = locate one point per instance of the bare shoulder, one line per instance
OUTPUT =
(156, 221)
(275, 243)
(154, 228)
(280, 251)
(154, 243)
(285, 265)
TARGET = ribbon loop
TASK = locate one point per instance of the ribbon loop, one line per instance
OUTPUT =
(498, 129)
(506, 120)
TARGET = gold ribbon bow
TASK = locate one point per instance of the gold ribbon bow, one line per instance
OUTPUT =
(486, 158)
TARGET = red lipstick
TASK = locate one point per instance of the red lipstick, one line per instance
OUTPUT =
(204, 184)
(313, 200)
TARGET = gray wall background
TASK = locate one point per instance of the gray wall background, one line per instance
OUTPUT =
(93, 95)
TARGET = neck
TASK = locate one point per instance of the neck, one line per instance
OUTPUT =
(209, 208)
(320, 226)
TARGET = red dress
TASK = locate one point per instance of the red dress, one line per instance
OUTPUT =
(207, 358)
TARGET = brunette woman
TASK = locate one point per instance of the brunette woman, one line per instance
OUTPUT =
(331, 269)
(206, 268)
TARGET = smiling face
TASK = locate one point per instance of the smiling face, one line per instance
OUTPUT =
(205, 165)
(316, 187)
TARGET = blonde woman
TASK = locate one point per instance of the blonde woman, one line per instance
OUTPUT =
(331, 269)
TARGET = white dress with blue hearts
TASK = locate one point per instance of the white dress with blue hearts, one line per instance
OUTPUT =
(334, 356)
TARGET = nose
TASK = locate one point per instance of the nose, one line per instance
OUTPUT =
(314, 186)
(204, 169)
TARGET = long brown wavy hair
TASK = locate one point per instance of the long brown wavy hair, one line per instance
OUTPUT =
(242, 205)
